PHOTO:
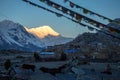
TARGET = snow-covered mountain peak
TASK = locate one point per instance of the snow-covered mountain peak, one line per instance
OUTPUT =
(15, 36)
(7, 22)
(42, 31)
(7, 25)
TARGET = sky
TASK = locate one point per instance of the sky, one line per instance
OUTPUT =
(30, 16)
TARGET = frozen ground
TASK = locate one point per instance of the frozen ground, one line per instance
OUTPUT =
(92, 71)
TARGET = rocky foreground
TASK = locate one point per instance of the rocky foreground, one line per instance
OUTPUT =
(72, 69)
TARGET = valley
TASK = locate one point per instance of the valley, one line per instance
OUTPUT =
(41, 53)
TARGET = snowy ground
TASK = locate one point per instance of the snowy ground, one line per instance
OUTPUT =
(87, 69)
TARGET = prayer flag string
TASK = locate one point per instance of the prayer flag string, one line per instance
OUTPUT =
(61, 15)
(80, 17)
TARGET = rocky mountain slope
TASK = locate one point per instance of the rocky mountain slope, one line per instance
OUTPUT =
(48, 36)
(100, 44)
(15, 36)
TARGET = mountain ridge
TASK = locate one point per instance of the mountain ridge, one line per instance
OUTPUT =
(15, 36)
(42, 31)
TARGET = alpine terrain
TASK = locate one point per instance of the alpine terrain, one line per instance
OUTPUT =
(15, 36)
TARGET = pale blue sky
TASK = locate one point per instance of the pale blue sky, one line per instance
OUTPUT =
(30, 16)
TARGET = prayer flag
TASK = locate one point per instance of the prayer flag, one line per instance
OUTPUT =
(72, 4)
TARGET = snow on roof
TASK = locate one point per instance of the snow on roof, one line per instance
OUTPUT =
(48, 53)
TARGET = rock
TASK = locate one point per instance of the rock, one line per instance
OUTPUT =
(78, 71)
